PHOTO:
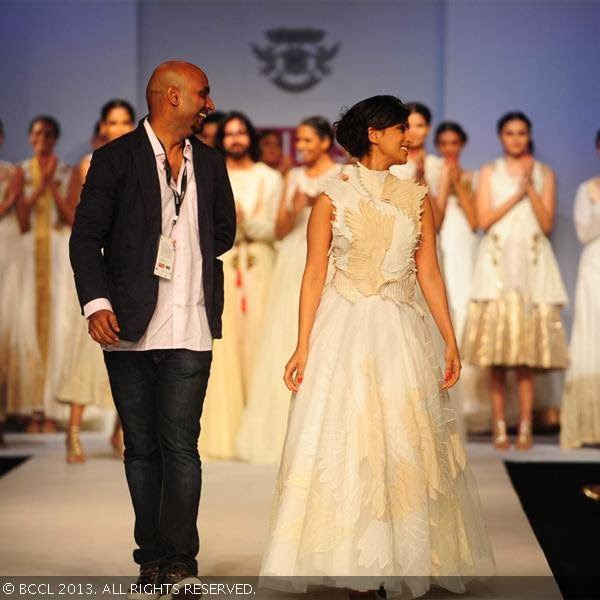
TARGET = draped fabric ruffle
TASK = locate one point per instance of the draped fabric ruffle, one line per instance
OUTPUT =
(508, 332)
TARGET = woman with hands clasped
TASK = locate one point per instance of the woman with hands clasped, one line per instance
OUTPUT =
(264, 421)
(513, 319)
(456, 205)
(459, 242)
(48, 192)
(374, 491)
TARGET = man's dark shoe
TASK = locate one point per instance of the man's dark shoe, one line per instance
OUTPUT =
(147, 585)
(180, 577)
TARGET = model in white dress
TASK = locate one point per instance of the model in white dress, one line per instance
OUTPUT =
(48, 308)
(265, 418)
(580, 411)
(459, 241)
(247, 270)
(514, 316)
(421, 166)
(84, 380)
(374, 487)
(10, 257)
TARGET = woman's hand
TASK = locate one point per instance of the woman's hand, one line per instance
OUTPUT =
(453, 366)
(48, 169)
(294, 370)
(300, 201)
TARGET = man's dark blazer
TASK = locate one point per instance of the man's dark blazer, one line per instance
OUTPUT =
(120, 214)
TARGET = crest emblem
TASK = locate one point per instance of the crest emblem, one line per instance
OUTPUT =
(295, 60)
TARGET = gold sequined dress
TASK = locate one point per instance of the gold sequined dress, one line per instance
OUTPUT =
(374, 486)
(517, 291)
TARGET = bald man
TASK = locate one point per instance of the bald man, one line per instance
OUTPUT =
(156, 210)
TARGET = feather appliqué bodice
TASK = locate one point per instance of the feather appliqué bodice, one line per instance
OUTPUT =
(376, 231)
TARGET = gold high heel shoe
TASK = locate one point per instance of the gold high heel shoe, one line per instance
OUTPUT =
(500, 439)
(524, 439)
(75, 453)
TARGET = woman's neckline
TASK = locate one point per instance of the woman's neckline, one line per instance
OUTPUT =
(377, 172)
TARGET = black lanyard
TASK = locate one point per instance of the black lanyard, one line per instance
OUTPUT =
(177, 196)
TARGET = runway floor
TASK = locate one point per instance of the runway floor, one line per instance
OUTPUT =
(60, 519)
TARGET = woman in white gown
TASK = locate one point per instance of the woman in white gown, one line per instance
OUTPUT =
(84, 380)
(264, 420)
(580, 411)
(247, 270)
(421, 166)
(10, 256)
(48, 192)
(374, 488)
(514, 316)
(459, 242)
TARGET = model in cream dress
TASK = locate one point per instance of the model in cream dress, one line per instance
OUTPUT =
(247, 270)
(580, 411)
(10, 257)
(48, 191)
(84, 380)
(264, 420)
(459, 242)
(514, 318)
(374, 487)
(421, 166)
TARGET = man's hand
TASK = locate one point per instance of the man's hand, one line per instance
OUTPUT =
(103, 327)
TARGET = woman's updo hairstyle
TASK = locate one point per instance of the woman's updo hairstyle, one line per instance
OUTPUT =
(452, 126)
(420, 109)
(117, 103)
(515, 115)
(378, 112)
(321, 127)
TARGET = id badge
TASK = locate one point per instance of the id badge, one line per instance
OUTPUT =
(165, 258)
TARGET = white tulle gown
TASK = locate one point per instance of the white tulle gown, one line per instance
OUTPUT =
(580, 413)
(264, 420)
(374, 486)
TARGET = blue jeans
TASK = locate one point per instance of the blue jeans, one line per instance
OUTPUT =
(159, 396)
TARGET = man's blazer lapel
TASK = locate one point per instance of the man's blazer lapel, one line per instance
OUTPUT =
(145, 163)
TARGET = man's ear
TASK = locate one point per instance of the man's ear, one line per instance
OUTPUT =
(374, 135)
(173, 95)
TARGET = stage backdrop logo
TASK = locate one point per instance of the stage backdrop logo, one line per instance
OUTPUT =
(295, 60)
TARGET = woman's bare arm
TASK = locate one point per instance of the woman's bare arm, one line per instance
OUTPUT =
(317, 259)
(544, 204)
(286, 216)
(66, 204)
(11, 194)
(466, 199)
(486, 215)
